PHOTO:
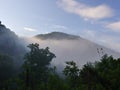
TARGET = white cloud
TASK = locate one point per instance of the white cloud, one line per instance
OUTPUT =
(86, 11)
(115, 26)
(89, 34)
(30, 29)
(59, 26)
(109, 41)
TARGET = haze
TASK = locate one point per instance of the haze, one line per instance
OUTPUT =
(78, 17)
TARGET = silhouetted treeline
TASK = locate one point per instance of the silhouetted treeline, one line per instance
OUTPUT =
(36, 73)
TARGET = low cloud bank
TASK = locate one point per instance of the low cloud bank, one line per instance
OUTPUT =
(81, 51)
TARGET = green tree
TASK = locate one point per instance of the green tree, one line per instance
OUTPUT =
(36, 65)
(71, 71)
(7, 69)
(102, 74)
(89, 76)
(109, 70)
(55, 83)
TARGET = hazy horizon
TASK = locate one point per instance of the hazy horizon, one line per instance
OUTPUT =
(95, 20)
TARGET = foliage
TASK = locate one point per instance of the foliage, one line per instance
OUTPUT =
(38, 75)
(71, 71)
(36, 65)
(7, 69)
(109, 69)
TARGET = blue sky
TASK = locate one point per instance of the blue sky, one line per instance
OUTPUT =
(96, 20)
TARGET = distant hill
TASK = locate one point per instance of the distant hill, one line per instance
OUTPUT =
(57, 36)
(70, 47)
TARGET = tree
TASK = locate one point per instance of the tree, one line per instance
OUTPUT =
(89, 76)
(7, 69)
(109, 69)
(71, 71)
(55, 82)
(36, 64)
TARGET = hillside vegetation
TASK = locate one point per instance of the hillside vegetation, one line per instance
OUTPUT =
(37, 74)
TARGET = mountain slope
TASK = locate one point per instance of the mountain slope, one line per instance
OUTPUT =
(78, 49)
(66, 47)
(10, 44)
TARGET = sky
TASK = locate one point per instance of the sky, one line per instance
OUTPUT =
(95, 20)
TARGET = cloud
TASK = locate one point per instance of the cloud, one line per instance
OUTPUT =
(80, 50)
(59, 26)
(89, 34)
(104, 39)
(115, 26)
(30, 29)
(112, 42)
(86, 11)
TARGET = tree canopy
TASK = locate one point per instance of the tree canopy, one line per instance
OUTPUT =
(7, 68)
(37, 75)
(36, 64)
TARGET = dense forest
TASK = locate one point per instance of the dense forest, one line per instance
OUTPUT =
(36, 73)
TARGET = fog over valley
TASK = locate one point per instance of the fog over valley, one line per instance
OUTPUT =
(66, 47)
(59, 45)
(79, 50)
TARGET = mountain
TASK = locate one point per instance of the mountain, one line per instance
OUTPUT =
(66, 47)
(10, 44)
(57, 36)
(70, 47)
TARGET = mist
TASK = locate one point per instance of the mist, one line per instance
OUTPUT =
(80, 51)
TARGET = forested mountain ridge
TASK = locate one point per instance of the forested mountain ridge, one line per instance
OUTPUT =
(57, 36)
(10, 44)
